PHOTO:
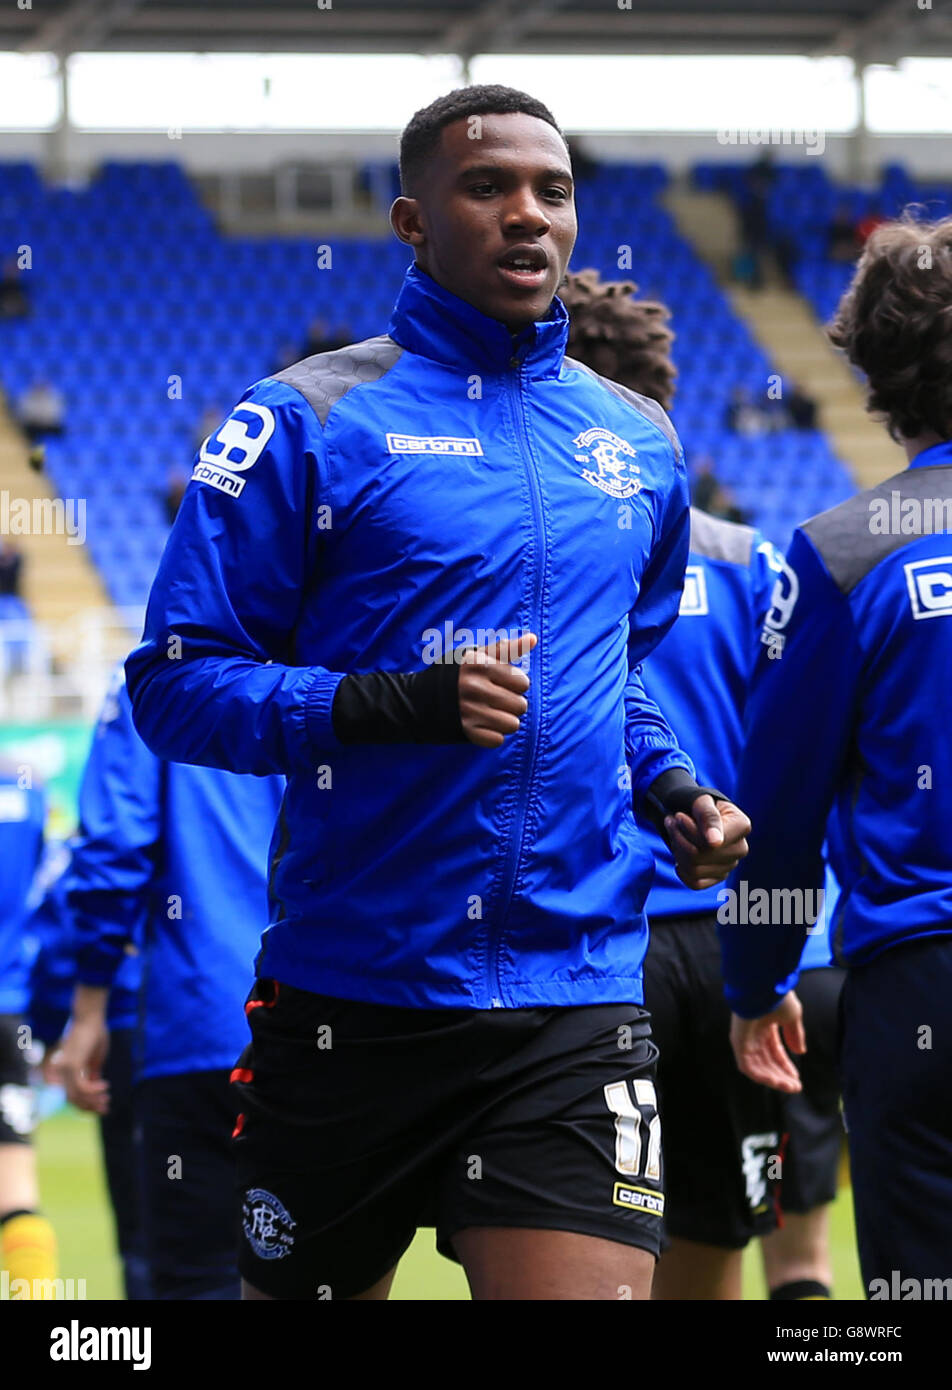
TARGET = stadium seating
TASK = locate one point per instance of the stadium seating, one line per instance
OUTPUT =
(145, 316)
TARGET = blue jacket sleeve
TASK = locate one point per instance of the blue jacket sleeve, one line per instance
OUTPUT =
(651, 746)
(766, 565)
(54, 969)
(213, 680)
(799, 719)
(109, 881)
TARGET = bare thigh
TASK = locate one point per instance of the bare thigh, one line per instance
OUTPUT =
(511, 1263)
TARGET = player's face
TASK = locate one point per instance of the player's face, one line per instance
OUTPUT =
(495, 218)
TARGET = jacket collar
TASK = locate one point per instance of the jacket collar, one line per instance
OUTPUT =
(429, 320)
(936, 456)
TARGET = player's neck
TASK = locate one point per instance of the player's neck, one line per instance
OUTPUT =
(921, 443)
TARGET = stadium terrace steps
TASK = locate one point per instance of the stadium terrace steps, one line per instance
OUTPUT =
(785, 325)
(708, 221)
(60, 581)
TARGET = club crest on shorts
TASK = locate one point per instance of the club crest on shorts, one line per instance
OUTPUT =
(267, 1225)
(613, 457)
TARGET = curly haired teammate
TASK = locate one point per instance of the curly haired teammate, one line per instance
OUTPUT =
(855, 670)
(714, 1207)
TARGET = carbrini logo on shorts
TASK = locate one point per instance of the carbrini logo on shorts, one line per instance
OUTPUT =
(638, 1199)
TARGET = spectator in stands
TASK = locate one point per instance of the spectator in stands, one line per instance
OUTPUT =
(866, 226)
(208, 421)
(321, 337)
(744, 416)
(11, 565)
(801, 409)
(755, 236)
(843, 244)
(708, 494)
(174, 493)
(13, 299)
(41, 411)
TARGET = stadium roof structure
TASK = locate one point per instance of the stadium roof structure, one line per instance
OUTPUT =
(869, 30)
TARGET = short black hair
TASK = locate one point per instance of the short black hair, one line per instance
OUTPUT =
(421, 136)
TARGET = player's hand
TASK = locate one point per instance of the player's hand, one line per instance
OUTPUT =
(759, 1051)
(79, 1062)
(492, 691)
(708, 843)
(49, 1067)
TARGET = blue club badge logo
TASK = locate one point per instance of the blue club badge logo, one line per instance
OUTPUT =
(613, 457)
(268, 1227)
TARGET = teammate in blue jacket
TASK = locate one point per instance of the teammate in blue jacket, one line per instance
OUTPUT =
(52, 984)
(712, 1206)
(172, 859)
(446, 1023)
(27, 1241)
(849, 713)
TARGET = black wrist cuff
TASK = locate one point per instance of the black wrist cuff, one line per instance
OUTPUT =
(400, 707)
(675, 790)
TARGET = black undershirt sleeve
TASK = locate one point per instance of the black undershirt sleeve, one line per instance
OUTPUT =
(675, 790)
(397, 707)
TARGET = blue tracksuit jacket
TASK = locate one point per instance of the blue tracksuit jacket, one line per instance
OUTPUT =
(849, 714)
(364, 510)
(700, 674)
(22, 816)
(172, 859)
(53, 973)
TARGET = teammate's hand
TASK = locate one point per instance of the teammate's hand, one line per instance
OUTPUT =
(79, 1062)
(49, 1067)
(709, 842)
(759, 1051)
(492, 691)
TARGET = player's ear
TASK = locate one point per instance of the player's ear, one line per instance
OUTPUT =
(406, 219)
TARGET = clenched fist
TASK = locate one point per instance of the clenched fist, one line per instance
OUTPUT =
(492, 691)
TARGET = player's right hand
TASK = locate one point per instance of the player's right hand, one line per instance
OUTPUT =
(492, 691)
(79, 1062)
(758, 1045)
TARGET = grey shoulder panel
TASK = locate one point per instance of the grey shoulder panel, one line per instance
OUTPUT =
(327, 376)
(643, 404)
(853, 537)
(721, 540)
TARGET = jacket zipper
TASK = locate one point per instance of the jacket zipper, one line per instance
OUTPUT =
(514, 853)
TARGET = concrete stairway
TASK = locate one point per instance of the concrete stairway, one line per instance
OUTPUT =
(59, 580)
(785, 326)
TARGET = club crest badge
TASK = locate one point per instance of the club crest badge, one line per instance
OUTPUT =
(613, 457)
(268, 1227)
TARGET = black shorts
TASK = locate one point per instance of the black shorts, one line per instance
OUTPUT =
(722, 1132)
(362, 1122)
(17, 1097)
(812, 1118)
(185, 1125)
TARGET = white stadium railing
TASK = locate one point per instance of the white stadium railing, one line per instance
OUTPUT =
(51, 671)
